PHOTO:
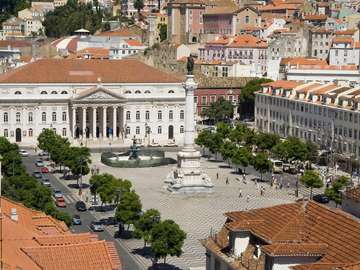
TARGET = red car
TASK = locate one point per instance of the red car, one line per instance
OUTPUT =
(44, 170)
(60, 202)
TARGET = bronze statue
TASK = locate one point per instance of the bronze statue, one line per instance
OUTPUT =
(190, 65)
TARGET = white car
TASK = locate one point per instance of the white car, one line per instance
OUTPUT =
(23, 153)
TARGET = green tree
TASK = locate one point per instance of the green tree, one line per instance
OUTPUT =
(241, 134)
(261, 163)
(220, 110)
(311, 179)
(312, 151)
(291, 148)
(247, 97)
(223, 129)
(139, 5)
(241, 157)
(333, 192)
(227, 150)
(146, 223)
(162, 32)
(78, 160)
(129, 208)
(266, 141)
(167, 239)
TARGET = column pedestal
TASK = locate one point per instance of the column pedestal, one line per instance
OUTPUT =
(188, 176)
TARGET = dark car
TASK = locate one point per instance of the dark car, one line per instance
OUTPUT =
(76, 220)
(80, 206)
(321, 198)
(108, 221)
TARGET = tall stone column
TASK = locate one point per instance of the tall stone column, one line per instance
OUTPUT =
(93, 134)
(114, 122)
(83, 122)
(104, 122)
(73, 127)
(188, 177)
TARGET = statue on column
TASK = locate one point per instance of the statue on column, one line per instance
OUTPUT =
(190, 65)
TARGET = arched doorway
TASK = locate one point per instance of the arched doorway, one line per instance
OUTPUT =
(171, 132)
(18, 135)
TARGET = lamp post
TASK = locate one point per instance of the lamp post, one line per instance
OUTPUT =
(110, 147)
(81, 161)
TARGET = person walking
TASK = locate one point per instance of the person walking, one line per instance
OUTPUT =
(227, 180)
(240, 193)
(217, 176)
(247, 198)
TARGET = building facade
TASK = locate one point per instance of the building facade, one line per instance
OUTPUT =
(326, 114)
(92, 102)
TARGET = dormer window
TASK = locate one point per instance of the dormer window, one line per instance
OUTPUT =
(127, 92)
(171, 92)
(53, 92)
(147, 92)
(137, 92)
(43, 93)
(17, 93)
(64, 92)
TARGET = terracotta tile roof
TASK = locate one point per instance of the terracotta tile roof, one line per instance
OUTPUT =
(95, 53)
(87, 71)
(26, 245)
(323, 90)
(133, 42)
(220, 10)
(302, 61)
(323, 4)
(272, 7)
(304, 228)
(14, 43)
(342, 40)
(346, 32)
(320, 30)
(303, 249)
(282, 84)
(248, 41)
(315, 17)
(220, 40)
(122, 32)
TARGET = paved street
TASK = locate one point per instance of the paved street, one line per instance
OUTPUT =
(70, 197)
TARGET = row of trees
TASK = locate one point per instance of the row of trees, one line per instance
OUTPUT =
(77, 159)
(19, 186)
(166, 237)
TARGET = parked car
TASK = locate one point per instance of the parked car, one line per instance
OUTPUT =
(46, 182)
(80, 206)
(108, 221)
(23, 153)
(39, 163)
(44, 170)
(321, 198)
(97, 226)
(60, 202)
(76, 220)
(57, 194)
(43, 154)
(37, 175)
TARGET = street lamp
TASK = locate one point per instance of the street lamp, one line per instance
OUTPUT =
(110, 147)
(81, 161)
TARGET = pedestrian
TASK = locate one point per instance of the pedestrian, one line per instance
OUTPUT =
(240, 193)
(261, 191)
(217, 176)
(247, 198)
(227, 180)
(288, 184)
(97, 170)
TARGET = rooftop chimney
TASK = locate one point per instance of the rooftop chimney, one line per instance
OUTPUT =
(13, 214)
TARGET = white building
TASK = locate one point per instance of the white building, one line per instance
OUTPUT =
(92, 102)
(126, 48)
(344, 51)
(327, 114)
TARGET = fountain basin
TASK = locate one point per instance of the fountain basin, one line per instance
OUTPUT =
(147, 158)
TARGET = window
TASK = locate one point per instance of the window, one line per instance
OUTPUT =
(137, 115)
(30, 132)
(195, 100)
(247, 19)
(18, 117)
(43, 93)
(137, 130)
(43, 117)
(182, 115)
(128, 115)
(203, 100)
(127, 92)
(171, 115)
(147, 92)
(30, 117)
(64, 116)
(159, 115)
(53, 117)
(225, 71)
(181, 129)
(147, 115)
(159, 130)
(6, 133)
(127, 130)
(64, 92)
(17, 93)
(53, 92)
(6, 117)
(171, 92)
(64, 132)
(137, 92)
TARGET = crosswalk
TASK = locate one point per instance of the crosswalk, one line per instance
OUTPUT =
(69, 199)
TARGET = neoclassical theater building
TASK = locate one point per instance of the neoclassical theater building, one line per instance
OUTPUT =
(92, 102)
